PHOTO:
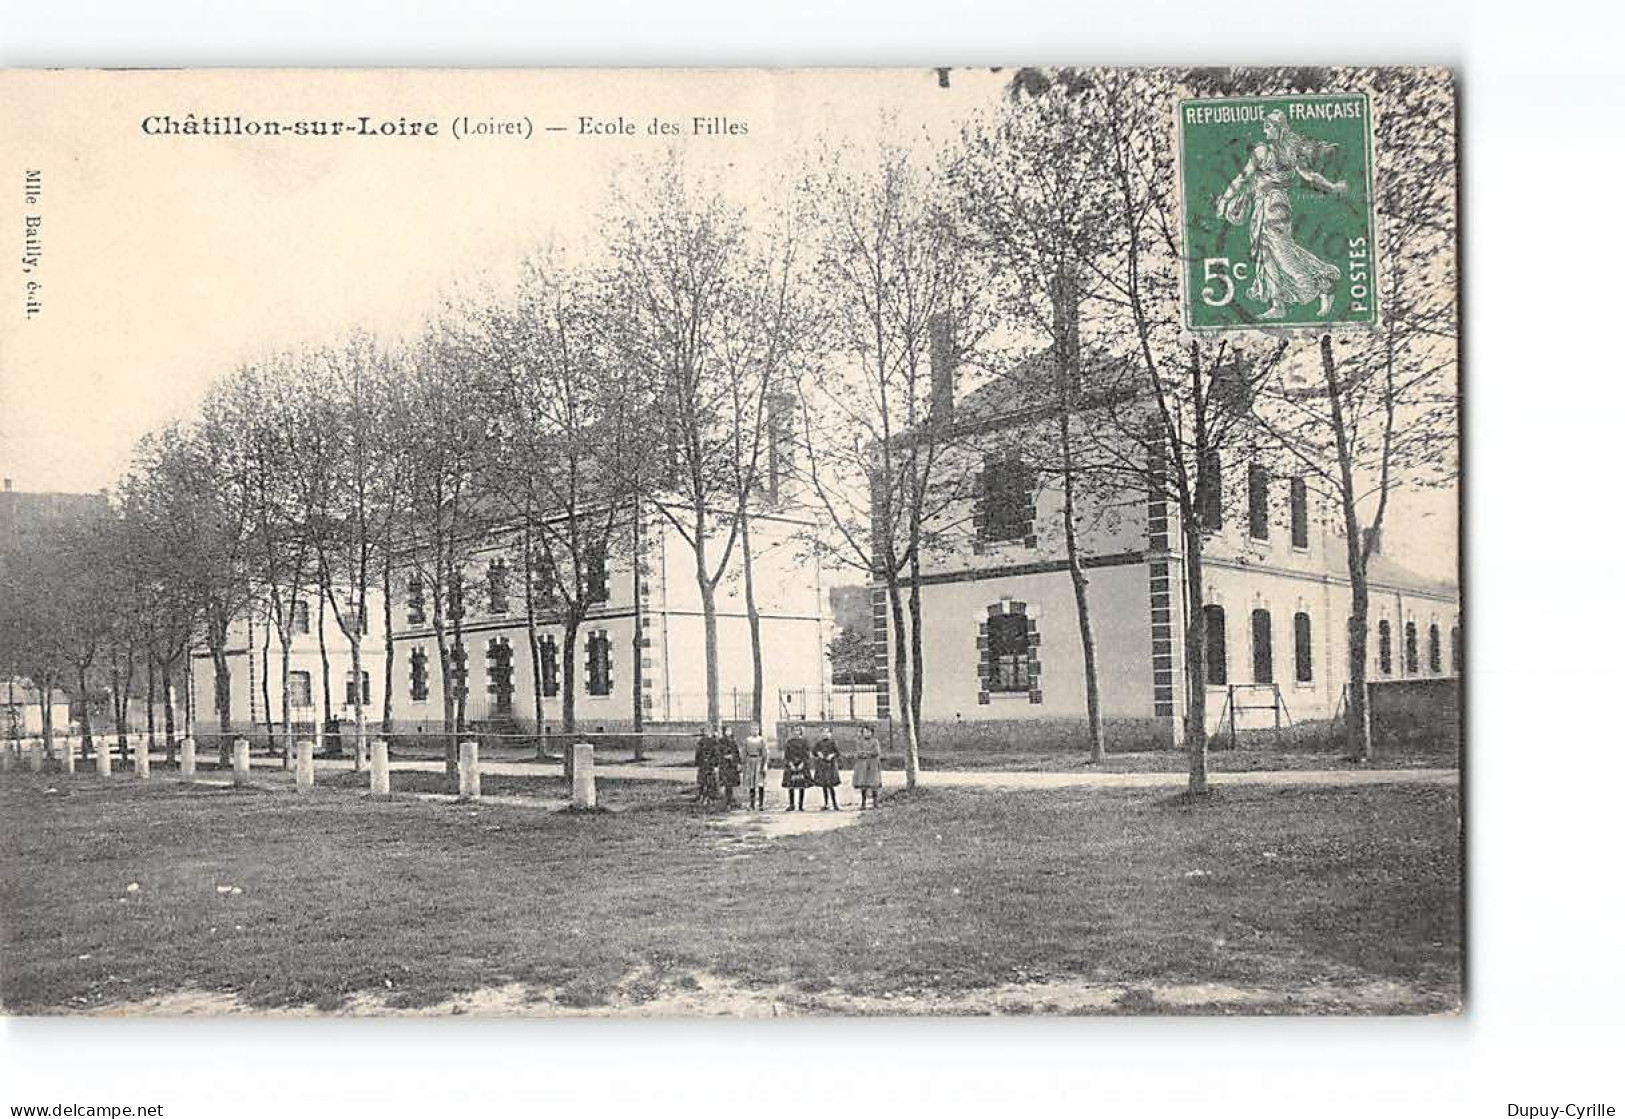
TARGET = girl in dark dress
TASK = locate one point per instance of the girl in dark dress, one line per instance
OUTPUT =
(728, 761)
(797, 772)
(706, 757)
(826, 762)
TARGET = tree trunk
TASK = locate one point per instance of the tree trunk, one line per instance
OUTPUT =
(265, 685)
(85, 745)
(1195, 656)
(448, 705)
(253, 691)
(637, 632)
(151, 683)
(916, 664)
(1080, 595)
(1359, 709)
(902, 686)
(360, 704)
(287, 704)
(533, 638)
(388, 725)
(754, 617)
(708, 608)
(222, 697)
(165, 681)
(567, 660)
(327, 669)
(47, 725)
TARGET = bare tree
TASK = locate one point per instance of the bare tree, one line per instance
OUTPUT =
(897, 280)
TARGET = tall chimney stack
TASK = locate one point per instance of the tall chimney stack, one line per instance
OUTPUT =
(943, 367)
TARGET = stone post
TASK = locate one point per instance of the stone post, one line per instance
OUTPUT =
(143, 757)
(239, 762)
(69, 762)
(380, 768)
(7, 756)
(304, 775)
(36, 755)
(188, 761)
(104, 757)
(584, 783)
(468, 771)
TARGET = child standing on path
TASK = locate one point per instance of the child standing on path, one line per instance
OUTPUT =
(826, 759)
(755, 761)
(728, 767)
(797, 772)
(866, 769)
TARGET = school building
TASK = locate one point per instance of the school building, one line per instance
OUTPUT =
(1003, 651)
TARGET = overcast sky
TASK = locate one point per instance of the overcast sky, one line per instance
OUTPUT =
(165, 260)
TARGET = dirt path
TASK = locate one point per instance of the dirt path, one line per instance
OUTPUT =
(705, 995)
(991, 779)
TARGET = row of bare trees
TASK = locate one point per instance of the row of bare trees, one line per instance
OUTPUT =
(709, 349)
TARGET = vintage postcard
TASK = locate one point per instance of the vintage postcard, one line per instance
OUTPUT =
(747, 543)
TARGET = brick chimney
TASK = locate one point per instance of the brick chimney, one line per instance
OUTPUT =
(944, 365)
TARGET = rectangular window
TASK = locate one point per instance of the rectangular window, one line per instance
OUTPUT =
(1300, 514)
(1385, 648)
(1263, 654)
(550, 667)
(299, 616)
(1006, 497)
(598, 673)
(298, 689)
(499, 674)
(1258, 502)
(1218, 657)
(496, 586)
(454, 596)
(459, 671)
(1435, 656)
(1210, 491)
(1009, 653)
(366, 690)
(414, 601)
(420, 675)
(1411, 665)
(546, 579)
(597, 575)
(1303, 660)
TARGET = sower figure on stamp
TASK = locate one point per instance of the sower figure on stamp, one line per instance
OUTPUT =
(728, 762)
(866, 769)
(706, 757)
(1283, 270)
(755, 765)
(797, 771)
(826, 759)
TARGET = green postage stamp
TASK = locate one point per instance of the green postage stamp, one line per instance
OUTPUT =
(1277, 212)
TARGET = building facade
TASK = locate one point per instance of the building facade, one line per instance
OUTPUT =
(493, 665)
(1003, 649)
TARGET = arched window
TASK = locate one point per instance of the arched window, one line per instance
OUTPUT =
(1300, 514)
(1011, 653)
(454, 595)
(1385, 648)
(1218, 657)
(1258, 502)
(1303, 660)
(298, 689)
(1263, 654)
(1435, 659)
(1411, 665)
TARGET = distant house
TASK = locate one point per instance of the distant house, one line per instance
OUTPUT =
(21, 715)
(1004, 656)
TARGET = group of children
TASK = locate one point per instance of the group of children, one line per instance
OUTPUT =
(722, 765)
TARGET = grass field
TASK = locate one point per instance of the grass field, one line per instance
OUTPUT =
(278, 901)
